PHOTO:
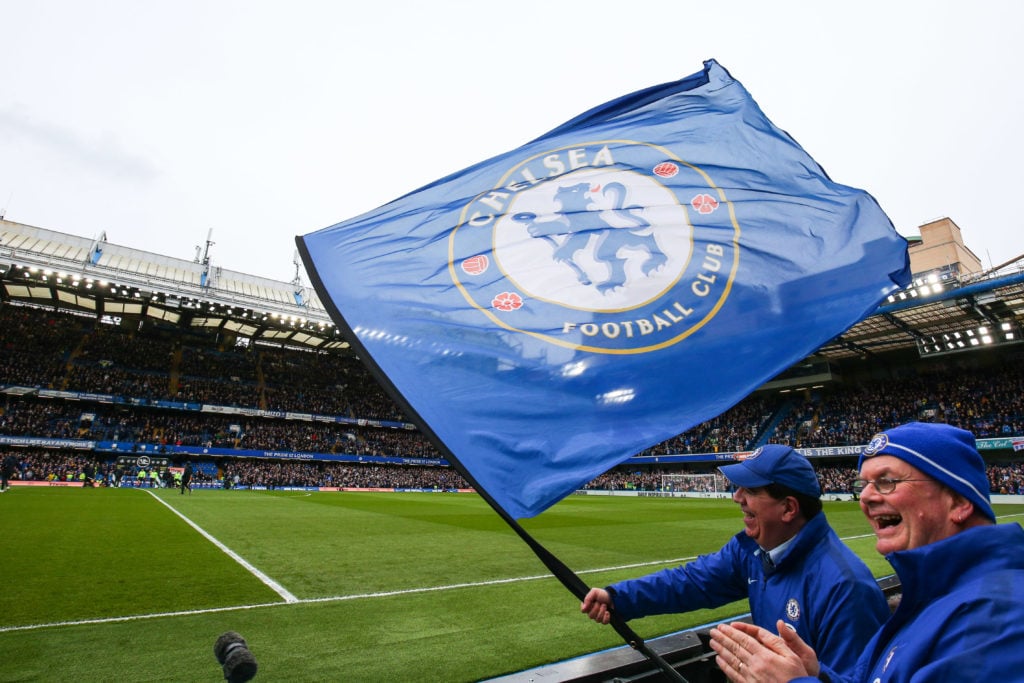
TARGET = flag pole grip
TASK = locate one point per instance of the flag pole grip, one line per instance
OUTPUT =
(580, 589)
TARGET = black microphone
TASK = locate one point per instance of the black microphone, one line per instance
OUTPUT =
(233, 654)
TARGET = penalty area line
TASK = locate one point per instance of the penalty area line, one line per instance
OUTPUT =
(267, 581)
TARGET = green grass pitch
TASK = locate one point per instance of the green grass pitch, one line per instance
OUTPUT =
(118, 585)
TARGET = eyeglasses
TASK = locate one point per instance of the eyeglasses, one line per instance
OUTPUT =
(884, 485)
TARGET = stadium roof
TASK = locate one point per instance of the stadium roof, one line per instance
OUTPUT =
(94, 276)
(53, 269)
(940, 316)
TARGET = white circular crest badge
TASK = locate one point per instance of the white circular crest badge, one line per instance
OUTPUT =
(877, 443)
(609, 246)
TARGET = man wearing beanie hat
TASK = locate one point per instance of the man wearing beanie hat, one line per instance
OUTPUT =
(961, 618)
(788, 561)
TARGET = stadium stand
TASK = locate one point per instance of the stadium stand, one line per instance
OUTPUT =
(109, 355)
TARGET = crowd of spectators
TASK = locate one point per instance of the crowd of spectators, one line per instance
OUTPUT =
(987, 400)
(733, 431)
(40, 465)
(1006, 479)
(69, 466)
(49, 350)
(45, 349)
(342, 475)
(832, 479)
(152, 427)
(626, 478)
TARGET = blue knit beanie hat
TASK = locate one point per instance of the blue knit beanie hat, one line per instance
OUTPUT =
(943, 452)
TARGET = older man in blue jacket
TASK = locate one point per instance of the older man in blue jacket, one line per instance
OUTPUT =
(961, 617)
(788, 561)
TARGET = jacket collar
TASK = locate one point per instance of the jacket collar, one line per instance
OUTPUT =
(930, 570)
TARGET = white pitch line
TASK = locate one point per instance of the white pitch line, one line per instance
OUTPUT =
(136, 617)
(269, 582)
(334, 598)
(356, 596)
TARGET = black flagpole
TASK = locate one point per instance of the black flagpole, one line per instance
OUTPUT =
(580, 589)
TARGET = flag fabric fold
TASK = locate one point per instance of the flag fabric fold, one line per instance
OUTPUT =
(549, 312)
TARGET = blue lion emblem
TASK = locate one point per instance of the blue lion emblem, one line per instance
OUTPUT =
(578, 222)
(877, 443)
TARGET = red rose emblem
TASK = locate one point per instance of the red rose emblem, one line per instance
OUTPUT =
(507, 301)
(704, 203)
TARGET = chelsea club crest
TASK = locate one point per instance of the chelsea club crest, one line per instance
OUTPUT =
(877, 443)
(608, 247)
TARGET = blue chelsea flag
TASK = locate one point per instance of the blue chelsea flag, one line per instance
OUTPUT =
(550, 312)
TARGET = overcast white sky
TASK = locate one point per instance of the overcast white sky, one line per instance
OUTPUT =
(159, 121)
